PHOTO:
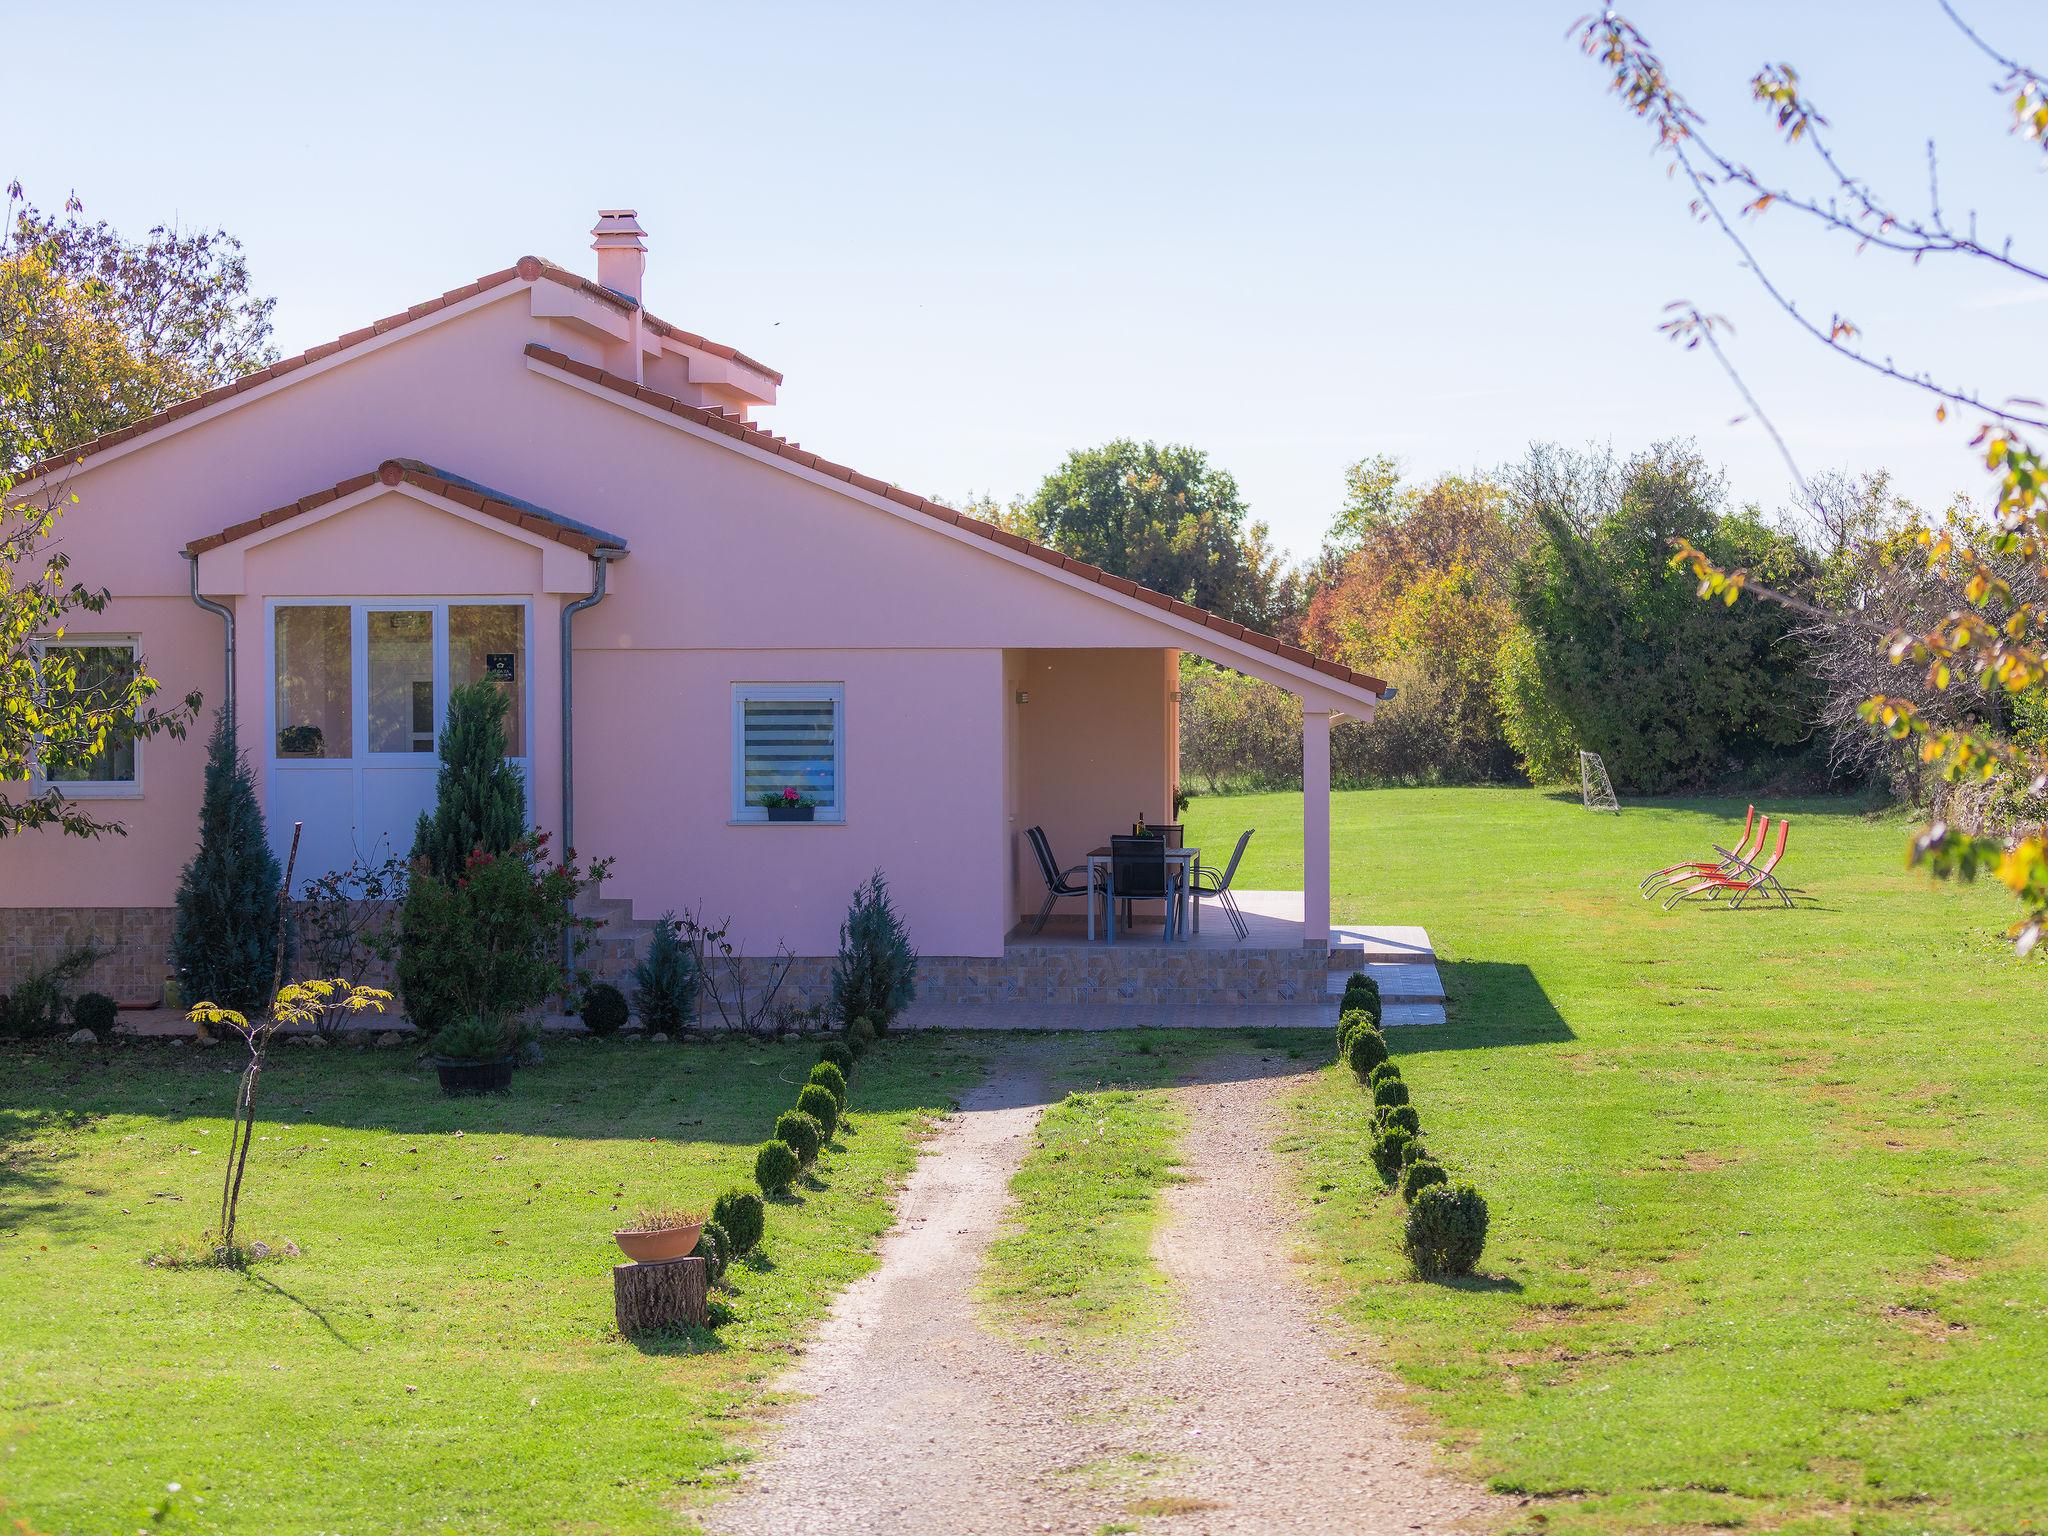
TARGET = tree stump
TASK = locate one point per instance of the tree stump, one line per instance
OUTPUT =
(664, 1295)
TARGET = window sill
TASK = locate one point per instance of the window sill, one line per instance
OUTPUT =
(90, 791)
(816, 821)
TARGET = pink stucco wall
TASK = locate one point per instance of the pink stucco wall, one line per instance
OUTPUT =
(739, 570)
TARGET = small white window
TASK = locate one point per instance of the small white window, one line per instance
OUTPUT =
(99, 673)
(789, 747)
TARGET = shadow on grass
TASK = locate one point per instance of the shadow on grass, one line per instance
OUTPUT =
(264, 1283)
(670, 1342)
(1491, 1003)
(1476, 1284)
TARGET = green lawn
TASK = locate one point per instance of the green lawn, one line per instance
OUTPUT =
(1770, 1201)
(441, 1358)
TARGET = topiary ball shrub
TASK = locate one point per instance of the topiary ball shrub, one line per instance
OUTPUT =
(1389, 1091)
(1392, 1150)
(94, 1011)
(1385, 1072)
(830, 1077)
(1420, 1175)
(816, 1101)
(604, 1009)
(1349, 1020)
(803, 1134)
(835, 1053)
(775, 1166)
(1366, 1049)
(1446, 1230)
(860, 1034)
(741, 1216)
(1405, 1116)
(715, 1249)
(1363, 993)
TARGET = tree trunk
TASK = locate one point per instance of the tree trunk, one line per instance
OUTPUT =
(665, 1295)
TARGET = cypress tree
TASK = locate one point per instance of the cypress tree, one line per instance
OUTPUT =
(479, 800)
(225, 943)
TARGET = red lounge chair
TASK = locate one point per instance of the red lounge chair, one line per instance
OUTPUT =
(1745, 880)
(1743, 853)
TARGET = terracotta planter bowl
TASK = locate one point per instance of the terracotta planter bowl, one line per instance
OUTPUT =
(656, 1246)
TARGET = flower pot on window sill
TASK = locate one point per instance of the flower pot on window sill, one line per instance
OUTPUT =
(792, 813)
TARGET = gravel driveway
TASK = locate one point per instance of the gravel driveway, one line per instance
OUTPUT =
(1250, 1413)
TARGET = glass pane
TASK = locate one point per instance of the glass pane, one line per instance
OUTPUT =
(315, 699)
(790, 745)
(99, 675)
(401, 661)
(488, 641)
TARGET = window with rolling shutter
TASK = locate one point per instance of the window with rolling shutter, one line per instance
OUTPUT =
(788, 736)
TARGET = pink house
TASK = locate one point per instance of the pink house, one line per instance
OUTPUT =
(535, 479)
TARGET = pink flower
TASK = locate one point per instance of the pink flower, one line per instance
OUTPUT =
(791, 795)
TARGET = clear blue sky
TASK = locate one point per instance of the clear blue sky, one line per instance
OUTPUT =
(974, 236)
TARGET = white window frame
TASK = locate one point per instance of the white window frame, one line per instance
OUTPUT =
(90, 789)
(744, 811)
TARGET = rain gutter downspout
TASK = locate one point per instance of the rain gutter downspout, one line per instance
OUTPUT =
(227, 618)
(600, 560)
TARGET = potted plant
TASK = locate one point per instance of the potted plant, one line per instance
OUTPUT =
(476, 1054)
(789, 805)
(659, 1235)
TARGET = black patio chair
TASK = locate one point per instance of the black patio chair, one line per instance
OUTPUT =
(1138, 872)
(1059, 882)
(1217, 889)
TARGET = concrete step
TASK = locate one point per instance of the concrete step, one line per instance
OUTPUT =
(1403, 982)
(1356, 944)
(1397, 1015)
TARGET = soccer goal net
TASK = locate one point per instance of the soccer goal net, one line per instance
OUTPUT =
(1594, 787)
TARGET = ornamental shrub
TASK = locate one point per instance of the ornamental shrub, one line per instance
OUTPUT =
(1446, 1230)
(1420, 1175)
(1385, 1072)
(1404, 1115)
(860, 1034)
(775, 1166)
(876, 973)
(1363, 993)
(1365, 1049)
(225, 943)
(836, 1053)
(94, 1011)
(1352, 1018)
(741, 1216)
(1392, 1150)
(665, 983)
(804, 1134)
(829, 1076)
(604, 1009)
(479, 798)
(714, 1247)
(1388, 1091)
(817, 1101)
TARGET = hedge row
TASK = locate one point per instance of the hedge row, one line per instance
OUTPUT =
(1446, 1227)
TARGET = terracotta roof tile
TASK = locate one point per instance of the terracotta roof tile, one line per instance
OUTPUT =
(467, 493)
(768, 442)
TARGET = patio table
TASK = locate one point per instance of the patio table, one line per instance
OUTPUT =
(1190, 862)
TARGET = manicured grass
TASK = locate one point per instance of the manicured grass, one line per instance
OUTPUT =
(441, 1357)
(1769, 1189)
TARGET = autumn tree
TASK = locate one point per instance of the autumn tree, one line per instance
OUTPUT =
(1991, 638)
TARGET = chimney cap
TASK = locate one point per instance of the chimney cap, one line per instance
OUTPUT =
(617, 229)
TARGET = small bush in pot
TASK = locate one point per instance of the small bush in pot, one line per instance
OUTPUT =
(740, 1214)
(604, 1009)
(1420, 1175)
(1388, 1092)
(835, 1053)
(803, 1134)
(1392, 1150)
(1366, 1049)
(1446, 1230)
(94, 1011)
(775, 1167)
(1405, 1116)
(659, 1235)
(475, 1054)
(817, 1101)
(828, 1076)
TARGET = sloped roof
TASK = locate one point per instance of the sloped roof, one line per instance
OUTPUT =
(436, 482)
(731, 426)
(527, 268)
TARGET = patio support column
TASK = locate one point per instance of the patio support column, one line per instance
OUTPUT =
(1315, 828)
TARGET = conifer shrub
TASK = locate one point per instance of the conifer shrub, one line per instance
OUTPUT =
(803, 1134)
(714, 1247)
(775, 1165)
(665, 983)
(740, 1214)
(94, 1011)
(837, 1053)
(225, 941)
(816, 1100)
(1389, 1091)
(875, 976)
(1420, 1175)
(479, 797)
(1392, 1150)
(1386, 1071)
(1351, 1019)
(829, 1076)
(604, 1009)
(1446, 1230)
(860, 1034)
(1404, 1115)
(1365, 1049)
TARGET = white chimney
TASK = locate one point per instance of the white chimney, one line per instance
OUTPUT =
(621, 253)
